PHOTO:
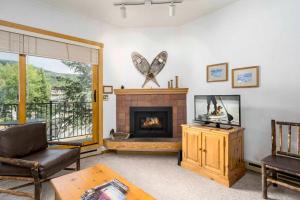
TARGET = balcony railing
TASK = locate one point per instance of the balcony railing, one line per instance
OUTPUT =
(8, 112)
(64, 119)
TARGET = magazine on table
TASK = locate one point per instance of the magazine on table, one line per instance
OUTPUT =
(113, 190)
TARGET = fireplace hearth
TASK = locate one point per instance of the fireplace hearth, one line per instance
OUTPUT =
(151, 122)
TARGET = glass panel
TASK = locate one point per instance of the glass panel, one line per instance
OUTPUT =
(9, 80)
(60, 93)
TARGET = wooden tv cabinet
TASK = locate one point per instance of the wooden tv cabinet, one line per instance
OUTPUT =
(213, 152)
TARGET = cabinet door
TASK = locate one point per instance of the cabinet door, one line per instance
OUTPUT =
(213, 152)
(192, 146)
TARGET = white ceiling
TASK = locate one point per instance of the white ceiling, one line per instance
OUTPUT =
(141, 16)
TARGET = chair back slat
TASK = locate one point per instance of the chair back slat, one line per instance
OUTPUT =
(273, 137)
(289, 138)
(291, 149)
(280, 142)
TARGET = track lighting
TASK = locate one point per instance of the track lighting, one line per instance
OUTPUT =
(123, 11)
(171, 3)
(148, 2)
(172, 9)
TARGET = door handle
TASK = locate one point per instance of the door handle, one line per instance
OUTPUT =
(95, 95)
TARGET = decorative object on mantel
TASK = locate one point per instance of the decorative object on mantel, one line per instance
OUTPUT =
(171, 83)
(176, 82)
(149, 71)
(108, 89)
(217, 72)
(118, 135)
(122, 87)
(245, 77)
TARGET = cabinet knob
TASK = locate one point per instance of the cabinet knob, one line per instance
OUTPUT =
(204, 150)
(200, 149)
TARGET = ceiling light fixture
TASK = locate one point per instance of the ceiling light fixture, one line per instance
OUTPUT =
(123, 11)
(172, 10)
(148, 2)
(171, 4)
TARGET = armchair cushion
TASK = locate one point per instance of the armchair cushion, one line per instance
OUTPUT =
(21, 140)
(51, 161)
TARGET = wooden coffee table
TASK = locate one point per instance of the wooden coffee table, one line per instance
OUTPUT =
(72, 186)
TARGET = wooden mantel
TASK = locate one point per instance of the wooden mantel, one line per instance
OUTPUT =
(151, 91)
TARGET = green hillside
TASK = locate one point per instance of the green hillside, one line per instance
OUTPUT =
(39, 82)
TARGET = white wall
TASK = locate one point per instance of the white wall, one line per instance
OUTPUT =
(38, 14)
(248, 32)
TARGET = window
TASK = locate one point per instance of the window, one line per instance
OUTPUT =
(9, 81)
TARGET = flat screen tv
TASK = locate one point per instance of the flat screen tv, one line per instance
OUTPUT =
(218, 109)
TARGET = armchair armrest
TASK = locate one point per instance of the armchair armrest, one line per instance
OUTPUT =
(19, 162)
(78, 144)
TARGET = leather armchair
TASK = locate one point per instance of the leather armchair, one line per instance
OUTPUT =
(24, 155)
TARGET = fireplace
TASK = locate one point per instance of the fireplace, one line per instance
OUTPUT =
(151, 122)
(173, 98)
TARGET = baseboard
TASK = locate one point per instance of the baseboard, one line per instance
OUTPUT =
(252, 166)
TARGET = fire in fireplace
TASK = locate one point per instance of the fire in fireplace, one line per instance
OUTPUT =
(151, 121)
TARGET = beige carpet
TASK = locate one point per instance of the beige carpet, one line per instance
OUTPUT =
(161, 177)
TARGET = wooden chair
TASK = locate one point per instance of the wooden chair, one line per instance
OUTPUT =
(281, 161)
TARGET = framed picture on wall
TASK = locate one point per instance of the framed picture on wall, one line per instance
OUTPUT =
(217, 72)
(245, 77)
(108, 89)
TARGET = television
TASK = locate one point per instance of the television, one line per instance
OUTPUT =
(218, 109)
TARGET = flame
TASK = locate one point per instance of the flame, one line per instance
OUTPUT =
(151, 122)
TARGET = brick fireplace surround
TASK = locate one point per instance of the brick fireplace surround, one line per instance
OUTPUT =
(175, 98)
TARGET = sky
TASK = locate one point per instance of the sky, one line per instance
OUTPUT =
(45, 63)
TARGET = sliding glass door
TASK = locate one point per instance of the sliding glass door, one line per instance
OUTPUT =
(61, 94)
